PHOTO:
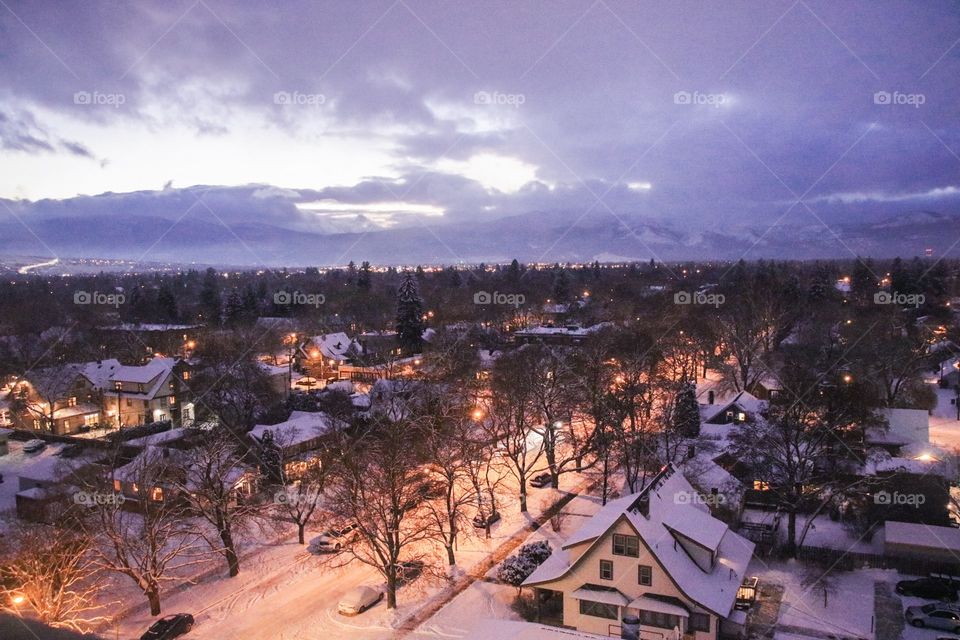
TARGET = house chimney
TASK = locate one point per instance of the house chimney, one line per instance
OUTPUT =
(644, 505)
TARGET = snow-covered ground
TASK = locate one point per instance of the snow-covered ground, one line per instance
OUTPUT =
(286, 593)
(850, 608)
(944, 426)
(482, 601)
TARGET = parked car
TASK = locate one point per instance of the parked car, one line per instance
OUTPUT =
(481, 523)
(334, 539)
(541, 481)
(359, 600)
(32, 446)
(935, 616)
(932, 588)
(409, 571)
(169, 627)
(426, 491)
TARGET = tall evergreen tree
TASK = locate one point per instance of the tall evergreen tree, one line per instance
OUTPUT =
(210, 297)
(561, 286)
(409, 315)
(363, 279)
(167, 302)
(686, 414)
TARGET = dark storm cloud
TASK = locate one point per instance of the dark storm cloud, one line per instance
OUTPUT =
(729, 111)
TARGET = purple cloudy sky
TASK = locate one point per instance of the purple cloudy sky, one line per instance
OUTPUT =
(684, 111)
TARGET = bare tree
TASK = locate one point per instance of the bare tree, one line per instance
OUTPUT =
(230, 384)
(55, 581)
(298, 501)
(380, 486)
(511, 420)
(146, 537)
(448, 444)
(213, 468)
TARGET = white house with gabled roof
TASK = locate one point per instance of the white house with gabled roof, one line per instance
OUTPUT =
(656, 558)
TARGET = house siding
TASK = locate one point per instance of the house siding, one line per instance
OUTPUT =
(586, 570)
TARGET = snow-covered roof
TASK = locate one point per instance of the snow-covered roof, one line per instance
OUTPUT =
(517, 630)
(302, 426)
(699, 526)
(150, 327)
(598, 594)
(153, 373)
(572, 331)
(744, 400)
(159, 438)
(921, 535)
(905, 426)
(333, 346)
(99, 372)
(670, 502)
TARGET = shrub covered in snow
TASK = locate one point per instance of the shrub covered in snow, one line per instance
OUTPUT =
(515, 569)
(536, 552)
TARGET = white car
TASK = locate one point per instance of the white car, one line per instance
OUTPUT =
(359, 600)
(333, 540)
(32, 446)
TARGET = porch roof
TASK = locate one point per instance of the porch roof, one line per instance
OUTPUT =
(659, 606)
(596, 593)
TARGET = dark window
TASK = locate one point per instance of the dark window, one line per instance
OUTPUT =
(606, 570)
(699, 622)
(599, 610)
(659, 620)
(645, 575)
(626, 545)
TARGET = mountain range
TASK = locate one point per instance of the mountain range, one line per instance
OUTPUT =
(204, 238)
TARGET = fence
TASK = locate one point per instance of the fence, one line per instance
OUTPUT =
(848, 560)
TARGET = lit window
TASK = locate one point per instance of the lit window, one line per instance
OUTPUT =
(186, 375)
(135, 487)
(760, 485)
(91, 419)
(72, 402)
(157, 494)
(117, 486)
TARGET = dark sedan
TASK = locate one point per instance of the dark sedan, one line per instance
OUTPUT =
(931, 588)
(541, 481)
(169, 627)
